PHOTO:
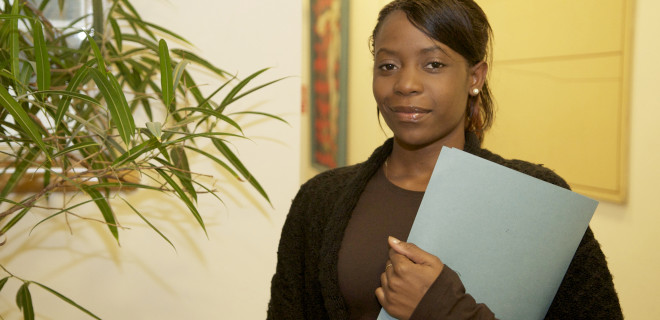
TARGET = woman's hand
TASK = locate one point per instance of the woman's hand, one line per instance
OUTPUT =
(409, 273)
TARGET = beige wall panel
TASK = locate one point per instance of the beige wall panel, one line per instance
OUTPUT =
(560, 81)
(527, 29)
(563, 114)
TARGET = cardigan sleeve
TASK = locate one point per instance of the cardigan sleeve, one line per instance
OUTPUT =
(287, 285)
(587, 290)
(447, 299)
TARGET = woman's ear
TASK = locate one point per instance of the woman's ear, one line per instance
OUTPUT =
(478, 74)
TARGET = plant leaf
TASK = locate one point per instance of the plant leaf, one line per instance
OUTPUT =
(105, 209)
(261, 114)
(22, 119)
(166, 81)
(124, 111)
(256, 88)
(184, 198)
(8, 16)
(145, 24)
(78, 78)
(14, 46)
(233, 159)
(178, 155)
(136, 151)
(100, 62)
(149, 223)
(26, 71)
(67, 300)
(15, 220)
(75, 147)
(104, 185)
(3, 281)
(116, 32)
(117, 104)
(137, 21)
(131, 9)
(211, 192)
(178, 72)
(98, 22)
(59, 212)
(70, 94)
(155, 128)
(47, 172)
(197, 59)
(206, 101)
(229, 98)
(192, 86)
(190, 136)
(5, 73)
(22, 163)
(218, 161)
(145, 42)
(41, 57)
(215, 114)
(24, 301)
(164, 153)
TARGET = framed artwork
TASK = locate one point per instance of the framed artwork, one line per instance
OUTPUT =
(328, 87)
(566, 85)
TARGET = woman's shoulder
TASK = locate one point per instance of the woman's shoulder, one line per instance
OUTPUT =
(535, 170)
(331, 179)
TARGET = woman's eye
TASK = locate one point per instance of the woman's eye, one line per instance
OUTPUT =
(387, 67)
(435, 65)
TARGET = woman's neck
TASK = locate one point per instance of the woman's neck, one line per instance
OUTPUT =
(411, 168)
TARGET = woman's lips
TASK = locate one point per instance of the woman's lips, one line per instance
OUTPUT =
(409, 113)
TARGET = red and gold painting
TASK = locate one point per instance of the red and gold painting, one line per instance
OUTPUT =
(328, 87)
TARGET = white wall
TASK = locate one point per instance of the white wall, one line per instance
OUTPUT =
(226, 276)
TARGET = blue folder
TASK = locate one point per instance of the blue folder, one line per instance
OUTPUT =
(509, 236)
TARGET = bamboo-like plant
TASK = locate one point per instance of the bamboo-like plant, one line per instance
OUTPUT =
(70, 111)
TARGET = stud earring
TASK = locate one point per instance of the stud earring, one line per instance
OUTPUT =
(475, 91)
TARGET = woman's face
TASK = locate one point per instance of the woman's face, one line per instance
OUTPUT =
(421, 86)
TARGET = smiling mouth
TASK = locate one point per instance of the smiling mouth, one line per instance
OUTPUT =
(409, 110)
(409, 113)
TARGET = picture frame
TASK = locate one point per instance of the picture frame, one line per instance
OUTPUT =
(328, 82)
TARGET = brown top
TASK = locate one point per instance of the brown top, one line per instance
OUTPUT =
(383, 210)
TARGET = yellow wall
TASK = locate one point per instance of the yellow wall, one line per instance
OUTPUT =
(628, 233)
(364, 133)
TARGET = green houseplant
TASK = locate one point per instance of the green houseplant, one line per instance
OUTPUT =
(71, 111)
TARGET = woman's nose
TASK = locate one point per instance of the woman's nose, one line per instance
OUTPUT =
(408, 82)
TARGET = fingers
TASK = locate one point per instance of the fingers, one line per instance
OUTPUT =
(384, 284)
(380, 295)
(406, 277)
(394, 293)
(411, 252)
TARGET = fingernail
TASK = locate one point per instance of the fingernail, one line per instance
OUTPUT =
(395, 240)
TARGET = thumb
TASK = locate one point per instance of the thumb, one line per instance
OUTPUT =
(410, 251)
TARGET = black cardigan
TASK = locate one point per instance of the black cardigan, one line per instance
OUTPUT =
(306, 286)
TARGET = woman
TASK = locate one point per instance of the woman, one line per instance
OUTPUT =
(339, 255)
